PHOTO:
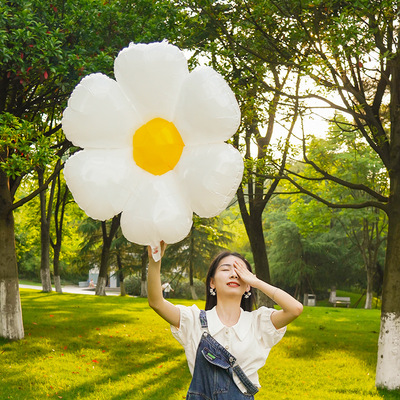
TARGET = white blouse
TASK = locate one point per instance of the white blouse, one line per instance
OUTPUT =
(250, 340)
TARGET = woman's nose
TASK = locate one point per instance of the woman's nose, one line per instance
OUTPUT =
(234, 274)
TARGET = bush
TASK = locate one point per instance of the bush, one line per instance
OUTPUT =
(132, 285)
(182, 291)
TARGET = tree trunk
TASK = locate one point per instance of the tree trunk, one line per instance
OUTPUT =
(56, 267)
(59, 212)
(370, 288)
(255, 234)
(191, 272)
(57, 283)
(103, 271)
(193, 292)
(11, 326)
(101, 286)
(122, 288)
(121, 276)
(388, 365)
(143, 277)
(369, 248)
(45, 235)
(105, 254)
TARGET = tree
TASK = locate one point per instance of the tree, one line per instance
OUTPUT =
(219, 31)
(46, 48)
(350, 53)
(308, 253)
(45, 219)
(143, 272)
(345, 154)
(62, 198)
(107, 237)
(351, 50)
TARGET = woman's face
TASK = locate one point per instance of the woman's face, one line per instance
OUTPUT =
(226, 281)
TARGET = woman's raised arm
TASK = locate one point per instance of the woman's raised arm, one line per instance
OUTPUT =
(291, 308)
(162, 307)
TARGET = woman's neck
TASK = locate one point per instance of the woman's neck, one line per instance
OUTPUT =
(228, 312)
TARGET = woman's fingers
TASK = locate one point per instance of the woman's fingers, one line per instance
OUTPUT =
(244, 273)
(163, 246)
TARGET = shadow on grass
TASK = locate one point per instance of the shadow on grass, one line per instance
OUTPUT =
(66, 328)
(322, 330)
(389, 395)
(134, 386)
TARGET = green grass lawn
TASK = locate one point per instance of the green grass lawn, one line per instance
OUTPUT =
(113, 348)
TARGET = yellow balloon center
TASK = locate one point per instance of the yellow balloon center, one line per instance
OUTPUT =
(157, 146)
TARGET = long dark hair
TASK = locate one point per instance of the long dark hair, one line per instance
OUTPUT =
(211, 301)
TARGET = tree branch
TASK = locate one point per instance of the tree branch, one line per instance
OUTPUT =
(350, 185)
(365, 204)
(38, 190)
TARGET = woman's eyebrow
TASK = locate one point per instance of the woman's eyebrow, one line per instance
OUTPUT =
(225, 265)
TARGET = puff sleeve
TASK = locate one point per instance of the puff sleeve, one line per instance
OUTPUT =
(265, 330)
(189, 317)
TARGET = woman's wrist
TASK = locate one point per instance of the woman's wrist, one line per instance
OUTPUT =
(154, 264)
(257, 284)
(267, 289)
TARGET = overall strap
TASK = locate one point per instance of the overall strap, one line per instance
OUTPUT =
(250, 387)
(203, 320)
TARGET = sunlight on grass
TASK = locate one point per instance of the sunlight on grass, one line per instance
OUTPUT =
(114, 348)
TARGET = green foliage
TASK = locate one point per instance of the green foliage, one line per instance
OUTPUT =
(345, 156)
(27, 237)
(22, 147)
(46, 49)
(51, 45)
(308, 264)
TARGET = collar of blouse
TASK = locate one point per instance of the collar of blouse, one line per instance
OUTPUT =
(241, 328)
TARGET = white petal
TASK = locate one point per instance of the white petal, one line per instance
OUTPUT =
(151, 75)
(158, 210)
(99, 115)
(101, 180)
(211, 175)
(207, 110)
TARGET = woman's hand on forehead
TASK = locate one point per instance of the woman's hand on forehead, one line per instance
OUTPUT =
(243, 272)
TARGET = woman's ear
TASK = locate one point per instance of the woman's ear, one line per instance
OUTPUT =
(212, 283)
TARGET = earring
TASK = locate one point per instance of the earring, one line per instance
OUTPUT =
(213, 292)
(247, 295)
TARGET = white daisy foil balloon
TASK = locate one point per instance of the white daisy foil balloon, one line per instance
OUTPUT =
(153, 144)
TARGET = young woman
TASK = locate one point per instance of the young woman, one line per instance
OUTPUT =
(226, 344)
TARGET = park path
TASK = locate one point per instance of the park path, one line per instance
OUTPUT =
(76, 289)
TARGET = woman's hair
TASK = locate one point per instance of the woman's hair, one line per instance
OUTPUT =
(211, 301)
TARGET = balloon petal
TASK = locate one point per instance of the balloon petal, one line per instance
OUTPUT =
(207, 110)
(211, 176)
(99, 115)
(158, 210)
(151, 76)
(101, 181)
(127, 128)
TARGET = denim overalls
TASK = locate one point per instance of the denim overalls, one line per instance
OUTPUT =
(214, 369)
